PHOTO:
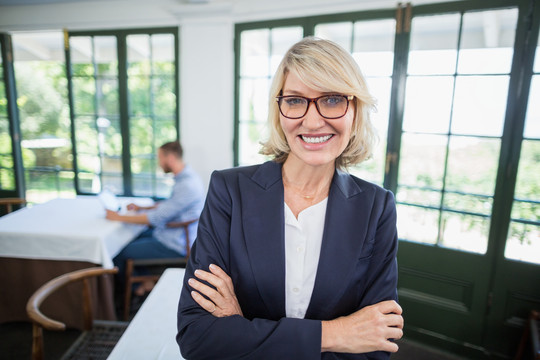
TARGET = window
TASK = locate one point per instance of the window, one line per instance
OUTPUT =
(7, 173)
(455, 104)
(523, 241)
(124, 87)
(261, 52)
(43, 115)
(371, 43)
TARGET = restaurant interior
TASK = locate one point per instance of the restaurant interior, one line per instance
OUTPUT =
(90, 90)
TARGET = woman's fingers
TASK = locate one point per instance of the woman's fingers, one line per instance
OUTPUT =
(394, 320)
(216, 270)
(203, 302)
(222, 300)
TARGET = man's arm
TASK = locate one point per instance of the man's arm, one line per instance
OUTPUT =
(132, 219)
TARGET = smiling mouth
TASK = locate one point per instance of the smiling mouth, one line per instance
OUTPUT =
(316, 139)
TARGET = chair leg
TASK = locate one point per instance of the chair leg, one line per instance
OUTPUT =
(37, 342)
(129, 284)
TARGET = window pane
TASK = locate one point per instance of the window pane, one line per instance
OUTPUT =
(428, 101)
(105, 55)
(87, 139)
(412, 195)
(164, 131)
(80, 50)
(532, 121)
(7, 174)
(141, 136)
(373, 47)
(248, 149)
(480, 105)
(434, 41)
(426, 173)
(282, 39)
(107, 97)
(163, 50)
(255, 54)
(468, 203)
(138, 53)
(417, 224)
(340, 33)
(465, 232)
(163, 96)
(523, 242)
(84, 91)
(472, 165)
(373, 169)
(487, 42)
(139, 95)
(44, 115)
(254, 100)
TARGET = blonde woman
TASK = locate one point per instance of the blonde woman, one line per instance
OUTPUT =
(295, 258)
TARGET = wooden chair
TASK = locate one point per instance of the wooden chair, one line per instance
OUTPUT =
(98, 338)
(158, 264)
(530, 333)
(9, 202)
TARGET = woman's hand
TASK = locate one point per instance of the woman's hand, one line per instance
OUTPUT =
(366, 330)
(223, 301)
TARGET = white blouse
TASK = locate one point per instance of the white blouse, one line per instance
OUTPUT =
(303, 240)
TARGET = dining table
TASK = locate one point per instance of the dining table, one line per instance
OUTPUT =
(152, 332)
(43, 241)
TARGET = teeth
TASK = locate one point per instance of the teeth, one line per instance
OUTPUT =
(316, 140)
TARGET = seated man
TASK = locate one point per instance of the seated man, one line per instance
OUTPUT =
(185, 203)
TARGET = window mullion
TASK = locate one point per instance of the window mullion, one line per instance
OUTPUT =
(397, 101)
(124, 113)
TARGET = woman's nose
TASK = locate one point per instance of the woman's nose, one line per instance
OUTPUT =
(312, 119)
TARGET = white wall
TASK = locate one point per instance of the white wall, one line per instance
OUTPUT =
(206, 94)
(206, 52)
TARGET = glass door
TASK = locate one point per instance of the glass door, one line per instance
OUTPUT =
(454, 111)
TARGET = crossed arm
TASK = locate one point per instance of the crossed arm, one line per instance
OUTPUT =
(366, 330)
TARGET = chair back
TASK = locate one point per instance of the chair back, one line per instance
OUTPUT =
(40, 321)
(185, 225)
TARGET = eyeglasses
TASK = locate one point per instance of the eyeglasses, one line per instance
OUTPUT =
(328, 106)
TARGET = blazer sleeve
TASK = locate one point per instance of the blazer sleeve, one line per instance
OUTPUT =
(203, 336)
(382, 276)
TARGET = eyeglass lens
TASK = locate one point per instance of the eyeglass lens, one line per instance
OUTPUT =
(331, 106)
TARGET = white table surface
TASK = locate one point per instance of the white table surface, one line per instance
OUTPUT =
(66, 229)
(151, 335)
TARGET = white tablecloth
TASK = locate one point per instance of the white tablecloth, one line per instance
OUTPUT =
(152, 332)
(66, 229)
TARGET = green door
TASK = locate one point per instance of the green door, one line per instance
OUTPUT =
(457, 288)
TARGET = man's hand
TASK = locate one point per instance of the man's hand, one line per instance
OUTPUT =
(112, 215)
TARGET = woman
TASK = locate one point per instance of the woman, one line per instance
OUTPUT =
(296, 259)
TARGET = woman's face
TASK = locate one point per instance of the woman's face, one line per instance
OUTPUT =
(314, 140)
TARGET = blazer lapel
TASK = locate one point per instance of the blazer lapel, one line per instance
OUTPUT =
(344, 233)
(263, 224)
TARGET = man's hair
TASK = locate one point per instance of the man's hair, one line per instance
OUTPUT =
(173, 147)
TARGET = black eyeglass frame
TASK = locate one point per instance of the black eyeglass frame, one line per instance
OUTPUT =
(313, 100)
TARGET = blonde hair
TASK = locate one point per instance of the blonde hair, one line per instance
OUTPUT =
(326, 67)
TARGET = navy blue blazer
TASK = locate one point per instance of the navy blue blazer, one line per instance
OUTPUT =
(242, 230)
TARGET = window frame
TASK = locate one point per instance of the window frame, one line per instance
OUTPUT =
(123, 96)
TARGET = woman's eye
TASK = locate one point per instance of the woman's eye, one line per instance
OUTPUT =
(333, 100)
(294, 101)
